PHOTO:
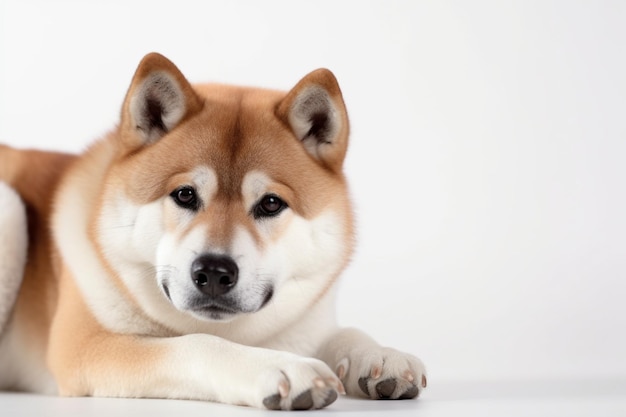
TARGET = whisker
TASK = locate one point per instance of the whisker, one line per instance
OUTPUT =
(120, 226)
(151, 271)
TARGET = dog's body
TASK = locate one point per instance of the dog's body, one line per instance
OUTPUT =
(191, 253)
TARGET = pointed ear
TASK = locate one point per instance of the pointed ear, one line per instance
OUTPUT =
(159, 98)
(316, 113)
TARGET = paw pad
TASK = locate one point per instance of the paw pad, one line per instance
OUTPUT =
(384, 390)
(322, 393)
(272, 402)
(303, 401)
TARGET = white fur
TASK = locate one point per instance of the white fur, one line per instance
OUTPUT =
(13, 248)
(174, 258)
(254, 185)
(23, 364)
(70, 225)
(139, 249)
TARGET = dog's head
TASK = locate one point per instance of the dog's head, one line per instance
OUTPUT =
(222, 199)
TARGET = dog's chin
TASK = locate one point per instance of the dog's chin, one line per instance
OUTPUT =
(225, 310)
(214, 313)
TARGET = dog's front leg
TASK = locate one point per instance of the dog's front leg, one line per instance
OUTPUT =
(87, 359)
(370, 370)
(196, 366)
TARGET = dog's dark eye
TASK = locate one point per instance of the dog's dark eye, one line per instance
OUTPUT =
(186, 197)
(269, 206)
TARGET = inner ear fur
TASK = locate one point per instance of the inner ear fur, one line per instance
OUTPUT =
(315, 112)
(159, 99)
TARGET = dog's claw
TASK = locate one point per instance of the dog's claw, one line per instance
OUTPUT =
(283, 388)
(409, 376)
(338, 385)
(342, 368)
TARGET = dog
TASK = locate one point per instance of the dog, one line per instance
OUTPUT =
(191, 253)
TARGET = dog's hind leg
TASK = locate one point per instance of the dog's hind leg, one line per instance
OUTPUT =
(13, 248)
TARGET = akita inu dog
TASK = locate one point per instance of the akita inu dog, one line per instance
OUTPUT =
(192, 253)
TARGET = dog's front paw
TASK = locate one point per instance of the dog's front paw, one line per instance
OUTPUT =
(382, 374)
(300, 384)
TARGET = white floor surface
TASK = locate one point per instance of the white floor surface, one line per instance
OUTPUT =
(605, 398)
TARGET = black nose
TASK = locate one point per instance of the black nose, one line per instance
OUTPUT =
(214, 275)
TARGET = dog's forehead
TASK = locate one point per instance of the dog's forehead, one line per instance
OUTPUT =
(241, 134)
(237, 135)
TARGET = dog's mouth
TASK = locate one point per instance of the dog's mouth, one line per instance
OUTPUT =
(219, 309)
(215, 312)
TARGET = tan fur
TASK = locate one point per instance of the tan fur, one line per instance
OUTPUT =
(232, 130)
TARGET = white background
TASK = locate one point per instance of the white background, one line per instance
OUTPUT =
(487, 156)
